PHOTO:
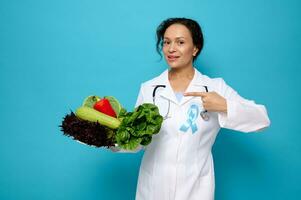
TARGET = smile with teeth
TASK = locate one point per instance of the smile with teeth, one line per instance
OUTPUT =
(172, 58)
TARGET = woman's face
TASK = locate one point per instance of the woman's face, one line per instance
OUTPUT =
(178, 47)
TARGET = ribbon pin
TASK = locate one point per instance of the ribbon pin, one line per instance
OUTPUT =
(192, 115)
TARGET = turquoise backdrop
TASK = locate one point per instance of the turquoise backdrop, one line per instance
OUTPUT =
(54, 53)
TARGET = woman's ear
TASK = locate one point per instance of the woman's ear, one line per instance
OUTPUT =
(195, 50)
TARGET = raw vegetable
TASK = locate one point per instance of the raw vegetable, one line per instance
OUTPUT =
(93, 115)
(91, 133)
(115, 104)
(128, 130)
(137, 127)
(90, 101)
(105, 107)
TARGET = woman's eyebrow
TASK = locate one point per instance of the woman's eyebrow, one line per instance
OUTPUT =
(175, 38)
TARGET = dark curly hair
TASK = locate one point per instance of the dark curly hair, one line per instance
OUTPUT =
(191, 25)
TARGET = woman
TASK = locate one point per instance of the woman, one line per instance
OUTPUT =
(178, 163)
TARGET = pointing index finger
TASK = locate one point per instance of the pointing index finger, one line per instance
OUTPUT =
(199, 94)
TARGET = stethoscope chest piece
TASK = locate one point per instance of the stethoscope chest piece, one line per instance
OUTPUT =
(204, 115)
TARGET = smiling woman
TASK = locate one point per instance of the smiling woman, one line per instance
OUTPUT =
(177, 44)
(178, 163)
(183, 33)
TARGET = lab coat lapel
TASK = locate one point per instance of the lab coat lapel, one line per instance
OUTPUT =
(196, 85)
(168, 92)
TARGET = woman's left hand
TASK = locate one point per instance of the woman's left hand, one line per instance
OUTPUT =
(212, 101)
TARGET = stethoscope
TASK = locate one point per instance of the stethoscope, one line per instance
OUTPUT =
(204, 113)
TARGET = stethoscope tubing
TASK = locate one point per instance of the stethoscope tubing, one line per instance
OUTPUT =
(203, 114)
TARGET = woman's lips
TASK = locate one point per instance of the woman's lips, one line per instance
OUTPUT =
(172, 58)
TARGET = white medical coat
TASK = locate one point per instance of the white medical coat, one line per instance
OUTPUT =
(178, 165)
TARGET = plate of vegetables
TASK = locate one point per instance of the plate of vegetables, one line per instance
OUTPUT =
(103, 122)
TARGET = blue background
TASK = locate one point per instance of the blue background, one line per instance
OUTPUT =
(55, 53)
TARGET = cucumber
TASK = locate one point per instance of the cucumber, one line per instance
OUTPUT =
(92, 115)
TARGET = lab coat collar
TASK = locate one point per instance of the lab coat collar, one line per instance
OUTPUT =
(195, 85)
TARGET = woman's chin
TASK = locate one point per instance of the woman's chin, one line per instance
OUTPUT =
(178, 65)
(173, 65)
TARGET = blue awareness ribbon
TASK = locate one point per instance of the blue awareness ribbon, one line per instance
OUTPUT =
(192, 115)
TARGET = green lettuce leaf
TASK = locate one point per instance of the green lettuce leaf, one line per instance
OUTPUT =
(139, 126)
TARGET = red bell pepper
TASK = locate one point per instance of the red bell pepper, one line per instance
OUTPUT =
(105, 107)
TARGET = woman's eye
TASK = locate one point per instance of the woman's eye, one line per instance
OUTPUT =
(166, 42)
(181, 42)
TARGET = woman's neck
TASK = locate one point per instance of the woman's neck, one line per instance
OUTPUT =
(181, 73)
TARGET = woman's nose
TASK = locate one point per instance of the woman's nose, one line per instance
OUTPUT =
(171, 47)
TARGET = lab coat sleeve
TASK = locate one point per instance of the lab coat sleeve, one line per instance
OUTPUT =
(139, 101)
(242, 114)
